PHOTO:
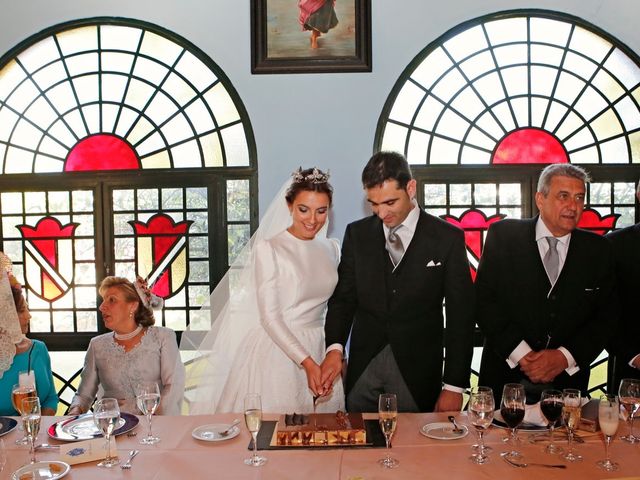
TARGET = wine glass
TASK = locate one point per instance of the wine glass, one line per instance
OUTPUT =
(480, 411)
(148, 399)
(106, 414)
(608, 413)
(388, 417)
(512, 411)
(571, 412)
(629, 393)
(551, 407)
(31, 422)
(476, 447)
(253, 420)
(19, 393)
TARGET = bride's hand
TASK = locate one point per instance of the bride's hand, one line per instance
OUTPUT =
(312, 369)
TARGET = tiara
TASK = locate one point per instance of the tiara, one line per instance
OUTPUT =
(148, 298)
(316, 176)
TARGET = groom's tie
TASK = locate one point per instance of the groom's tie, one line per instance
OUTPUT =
(394, 245)
(551, 260)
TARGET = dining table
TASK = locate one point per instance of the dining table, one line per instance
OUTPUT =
(179, 455)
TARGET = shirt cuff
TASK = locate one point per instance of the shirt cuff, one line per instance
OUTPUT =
(573, 367)
(520, 351)
(633, 360)
(335, 346)
(452, 388)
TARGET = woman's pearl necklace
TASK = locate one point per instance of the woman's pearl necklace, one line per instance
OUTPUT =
(127, 336)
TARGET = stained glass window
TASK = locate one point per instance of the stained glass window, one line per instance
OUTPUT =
(517, 88)
(82, 105)
(50, 238)
(116, 95)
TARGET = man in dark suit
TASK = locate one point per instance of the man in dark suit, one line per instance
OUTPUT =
(626, 344)
(544, 292)
(389, 300)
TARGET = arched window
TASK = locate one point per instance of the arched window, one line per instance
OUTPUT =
(124, 150)
(480, 111)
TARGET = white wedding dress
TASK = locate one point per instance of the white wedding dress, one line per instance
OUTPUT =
(294, 279)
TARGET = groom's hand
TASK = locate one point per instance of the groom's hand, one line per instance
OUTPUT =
(331, 367)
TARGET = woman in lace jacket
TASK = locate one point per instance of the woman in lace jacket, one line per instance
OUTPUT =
(135, 350)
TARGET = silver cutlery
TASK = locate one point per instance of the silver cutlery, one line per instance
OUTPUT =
(226, 432)
(456, 428)
(127, 465)
(507, 458)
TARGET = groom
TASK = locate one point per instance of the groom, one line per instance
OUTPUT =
(397, 266)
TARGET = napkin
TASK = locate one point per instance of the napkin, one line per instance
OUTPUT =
(533, 415)
(86, 451)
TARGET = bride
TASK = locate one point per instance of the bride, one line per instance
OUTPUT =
(267, 313)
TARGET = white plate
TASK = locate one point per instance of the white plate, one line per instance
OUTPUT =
(443, 431)
(211, 433)
(50, 470)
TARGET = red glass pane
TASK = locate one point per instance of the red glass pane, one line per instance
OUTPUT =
(169, 264)
(529, 145)
(473, 222)
(45, 235)
(101, 152)
(591, 220)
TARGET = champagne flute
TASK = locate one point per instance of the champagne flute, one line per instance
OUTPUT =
(388, 417)
(512, 411)
(148, 399)
(551, 407)
(571, 412)
(480, 411)
(31, 422)
(629, 393)
(19, 393)
(608, 413)
(106, 414)
(253, 420)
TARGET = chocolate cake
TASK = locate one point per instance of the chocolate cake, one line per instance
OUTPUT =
(321, 429)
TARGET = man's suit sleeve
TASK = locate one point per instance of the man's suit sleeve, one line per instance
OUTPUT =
(343, 303)
(459, 303)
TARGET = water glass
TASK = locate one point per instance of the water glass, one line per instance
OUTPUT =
(608, 416)
(388, 418)
(629, 393)
(106, 414)
(253, 420)
(31, 422)
(480, 412)
(551, 404)
(148, 399)
(512, 411)
(571, 413)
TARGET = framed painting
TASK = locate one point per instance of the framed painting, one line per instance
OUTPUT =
(310, 36)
